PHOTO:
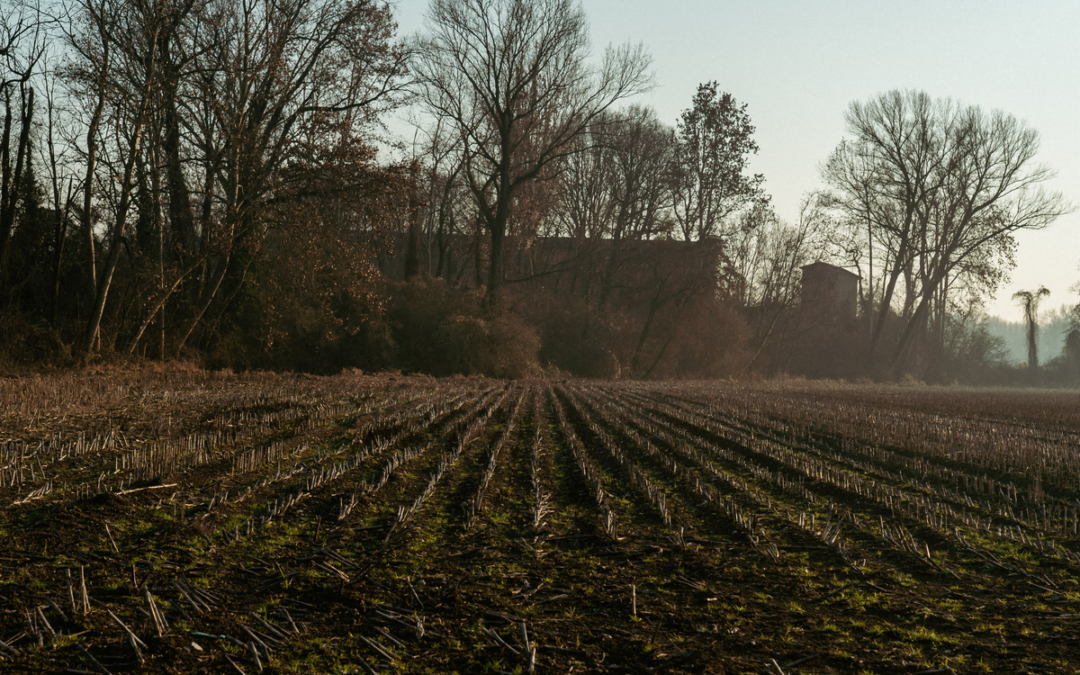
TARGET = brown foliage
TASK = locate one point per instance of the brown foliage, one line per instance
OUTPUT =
(443, 331)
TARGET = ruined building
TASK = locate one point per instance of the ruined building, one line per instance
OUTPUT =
(827, 330)
(830, 294)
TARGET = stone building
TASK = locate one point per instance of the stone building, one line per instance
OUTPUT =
(829, 293)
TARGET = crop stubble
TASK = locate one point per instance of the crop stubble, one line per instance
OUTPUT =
(190, 523)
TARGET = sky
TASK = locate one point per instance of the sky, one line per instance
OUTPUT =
(798, 65)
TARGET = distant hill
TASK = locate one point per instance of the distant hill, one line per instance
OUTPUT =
(1053, 326)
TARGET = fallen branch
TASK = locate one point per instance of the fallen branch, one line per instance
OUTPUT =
(148, 487)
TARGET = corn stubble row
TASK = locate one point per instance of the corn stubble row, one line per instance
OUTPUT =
(671, 462)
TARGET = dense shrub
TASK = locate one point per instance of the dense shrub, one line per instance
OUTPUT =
(438, 330)
(573, 339)
(30, 342)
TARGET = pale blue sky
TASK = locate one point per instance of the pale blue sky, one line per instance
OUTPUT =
(798, 64)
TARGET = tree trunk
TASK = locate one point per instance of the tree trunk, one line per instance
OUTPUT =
(441, 246)
(7, 215)
(917, 318)
(412, 240)
(761, 346)
(180, 211)
(495, 261)
(209, 295)
(59, 240)
(883, 311)
(88, 181)
(478, 275)
(94, 324)
(158, 307)
(6, 191)
(608, 282)
(1032, 332)
(659, 357)
(643, 336)
(497, 224)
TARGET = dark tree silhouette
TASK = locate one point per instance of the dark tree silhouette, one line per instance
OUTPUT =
(937, 190)
(1029, 300)
(512, 77)
(709, 181)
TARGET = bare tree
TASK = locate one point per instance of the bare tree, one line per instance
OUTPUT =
(53, 158)
(1030, 300)
(132, 86)
(273, 76)
(641, 153)
(200, 113)
(768, 256)
(583, 211)
(88, 81)
(1074, 311)
(935, 188)
(440, 194)
(22, 45)
(513, 77)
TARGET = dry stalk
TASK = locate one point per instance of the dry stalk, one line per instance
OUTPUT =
(254, 651)
(160, 624)
(367, 668)
(133, 639)
(9, 648)
(97, 664)
(111, 540)
(82, 590)
(71, 590)
(56, 609)
(233, 664)
(383, 651)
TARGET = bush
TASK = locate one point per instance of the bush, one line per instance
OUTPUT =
(442, 331)
(27, 343)
(572, 339)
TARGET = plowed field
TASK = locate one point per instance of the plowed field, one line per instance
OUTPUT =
(193, 523)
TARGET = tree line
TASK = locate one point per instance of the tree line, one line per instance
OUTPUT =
(169, 153)
(203, 179)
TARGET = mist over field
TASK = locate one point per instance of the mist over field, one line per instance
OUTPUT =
(1053, 330)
